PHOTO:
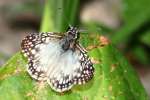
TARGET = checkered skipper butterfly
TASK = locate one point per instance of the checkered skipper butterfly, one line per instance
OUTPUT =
(58, 59)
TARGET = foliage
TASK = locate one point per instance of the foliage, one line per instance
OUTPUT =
(114, 78)
(134, 32)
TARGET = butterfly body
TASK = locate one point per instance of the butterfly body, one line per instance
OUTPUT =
(59, 60)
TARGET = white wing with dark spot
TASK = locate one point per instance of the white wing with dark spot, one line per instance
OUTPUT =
(33, 47)
(48, 61)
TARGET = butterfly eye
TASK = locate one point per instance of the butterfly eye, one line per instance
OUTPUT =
(72, 33)
(71, 36)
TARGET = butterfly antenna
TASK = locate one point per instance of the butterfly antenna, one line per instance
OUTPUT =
(83, 30)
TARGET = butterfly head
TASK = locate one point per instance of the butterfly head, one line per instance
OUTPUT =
(72, 33)
(70, 38)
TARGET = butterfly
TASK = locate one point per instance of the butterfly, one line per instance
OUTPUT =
(60, 60)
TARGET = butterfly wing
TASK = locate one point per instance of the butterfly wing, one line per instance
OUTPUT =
(61, 77)
(48, 61)
(33, 47)
(73, 67)
(86, 67)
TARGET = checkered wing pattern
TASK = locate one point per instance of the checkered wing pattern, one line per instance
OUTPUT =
(86, 70)
(48, 61)
(72, 68)
(32, 48)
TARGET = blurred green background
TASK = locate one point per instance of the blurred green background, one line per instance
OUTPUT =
(125, 22)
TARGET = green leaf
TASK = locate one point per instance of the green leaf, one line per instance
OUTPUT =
(59, 14)
(135, 15)
(120, 76)
(141, 55)
(114, 79)
(145, 38)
